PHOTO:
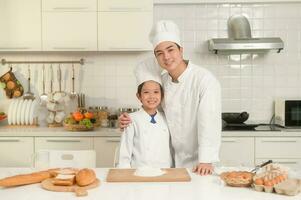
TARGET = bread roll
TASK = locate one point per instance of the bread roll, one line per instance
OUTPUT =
(25, 179)
(85, 177)
(63, 180)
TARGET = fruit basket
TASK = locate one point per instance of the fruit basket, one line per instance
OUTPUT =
(78, 121)
(77, 127)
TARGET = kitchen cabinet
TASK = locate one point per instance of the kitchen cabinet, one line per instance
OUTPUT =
(69, 31)
(237, 151)
(124, 31)
(282, 150)
(16, 151)
(63, 143)
(105, 148)
(121, 5)
(20, 25)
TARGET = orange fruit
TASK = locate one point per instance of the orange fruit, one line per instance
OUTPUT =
(88, 115)
(77, 116)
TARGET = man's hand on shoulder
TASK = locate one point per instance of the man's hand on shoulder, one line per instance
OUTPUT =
(124, 120)
(203, 169)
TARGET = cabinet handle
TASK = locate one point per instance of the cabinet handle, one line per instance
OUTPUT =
(279, 140)
(223, 140)
(69, 48)
(124, 8)
(113, 140)
(70, 8)
(11, 48)
(63, 140)
(9, 140)
(126, 48)
(286, 162)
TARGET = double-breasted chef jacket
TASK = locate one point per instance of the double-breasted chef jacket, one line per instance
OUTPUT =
(145, 144)
(192, 107)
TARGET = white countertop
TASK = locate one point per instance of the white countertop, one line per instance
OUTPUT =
(200, 188)
(8, 131)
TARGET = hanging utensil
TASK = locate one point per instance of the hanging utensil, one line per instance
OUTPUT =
(58, 95)
(72, 93)
(29, 94)
(43, 96)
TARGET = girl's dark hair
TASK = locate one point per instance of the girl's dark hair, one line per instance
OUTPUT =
(141, 85)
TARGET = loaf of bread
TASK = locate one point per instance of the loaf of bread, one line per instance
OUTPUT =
(25, 179)
(85, 177)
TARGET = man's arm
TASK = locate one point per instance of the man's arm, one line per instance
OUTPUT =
(209, 127)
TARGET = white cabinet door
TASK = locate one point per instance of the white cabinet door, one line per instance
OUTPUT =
(237, 151)
(16, 151)
(122, 5)
(69, 5)
(20, 24)
(64, 143)
(124, 31)
(294, 164)
(278, 147)
(69, 31)
(105, 148)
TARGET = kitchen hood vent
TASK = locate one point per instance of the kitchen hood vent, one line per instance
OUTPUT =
(241, 41)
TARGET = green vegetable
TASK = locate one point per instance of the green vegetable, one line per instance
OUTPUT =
(2, 85)
(2, 113)
(86, 122)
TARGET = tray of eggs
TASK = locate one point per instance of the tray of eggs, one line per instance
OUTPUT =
(274, 178)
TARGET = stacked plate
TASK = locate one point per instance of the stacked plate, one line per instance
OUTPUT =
(22, 112)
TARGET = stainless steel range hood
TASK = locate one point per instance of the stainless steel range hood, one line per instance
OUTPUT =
(241, 41)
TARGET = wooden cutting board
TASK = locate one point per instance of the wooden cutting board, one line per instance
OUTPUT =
(47, 185)
(127, 175)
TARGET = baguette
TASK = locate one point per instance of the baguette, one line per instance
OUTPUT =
(25, 179)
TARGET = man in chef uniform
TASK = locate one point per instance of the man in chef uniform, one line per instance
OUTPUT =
(192, 102)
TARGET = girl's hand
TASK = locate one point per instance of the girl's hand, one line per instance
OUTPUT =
(203, 169)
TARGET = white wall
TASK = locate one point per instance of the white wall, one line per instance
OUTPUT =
(252, 85)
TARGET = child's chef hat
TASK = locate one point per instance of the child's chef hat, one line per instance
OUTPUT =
(148, 70)
(164, 30)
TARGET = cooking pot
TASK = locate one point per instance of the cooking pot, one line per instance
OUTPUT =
(235, 118)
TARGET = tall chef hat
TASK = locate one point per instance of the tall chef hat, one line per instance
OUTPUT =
(148, 70)
(165, 30)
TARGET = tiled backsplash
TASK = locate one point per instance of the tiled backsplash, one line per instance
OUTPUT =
(249, 82)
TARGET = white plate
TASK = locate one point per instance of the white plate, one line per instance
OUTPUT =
(22, 120)
(15, 112)
(9, 113)
(21, 104)
(33, 110)
(27, 112)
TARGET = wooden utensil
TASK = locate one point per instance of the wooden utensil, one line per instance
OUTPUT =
(79, 191)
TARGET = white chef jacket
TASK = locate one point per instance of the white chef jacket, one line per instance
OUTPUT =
(192, 108)
(144, 143)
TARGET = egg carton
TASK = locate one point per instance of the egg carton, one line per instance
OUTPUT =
(274, 178)
(290, 187)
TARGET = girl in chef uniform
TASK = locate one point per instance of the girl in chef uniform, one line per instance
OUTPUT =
(146, 141)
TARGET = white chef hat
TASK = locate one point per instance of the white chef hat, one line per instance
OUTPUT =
(165, 30)
(148, 70)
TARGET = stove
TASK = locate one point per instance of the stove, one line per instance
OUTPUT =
(251, 127)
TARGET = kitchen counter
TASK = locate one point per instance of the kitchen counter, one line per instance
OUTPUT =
(200, 187)
(7, 131)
